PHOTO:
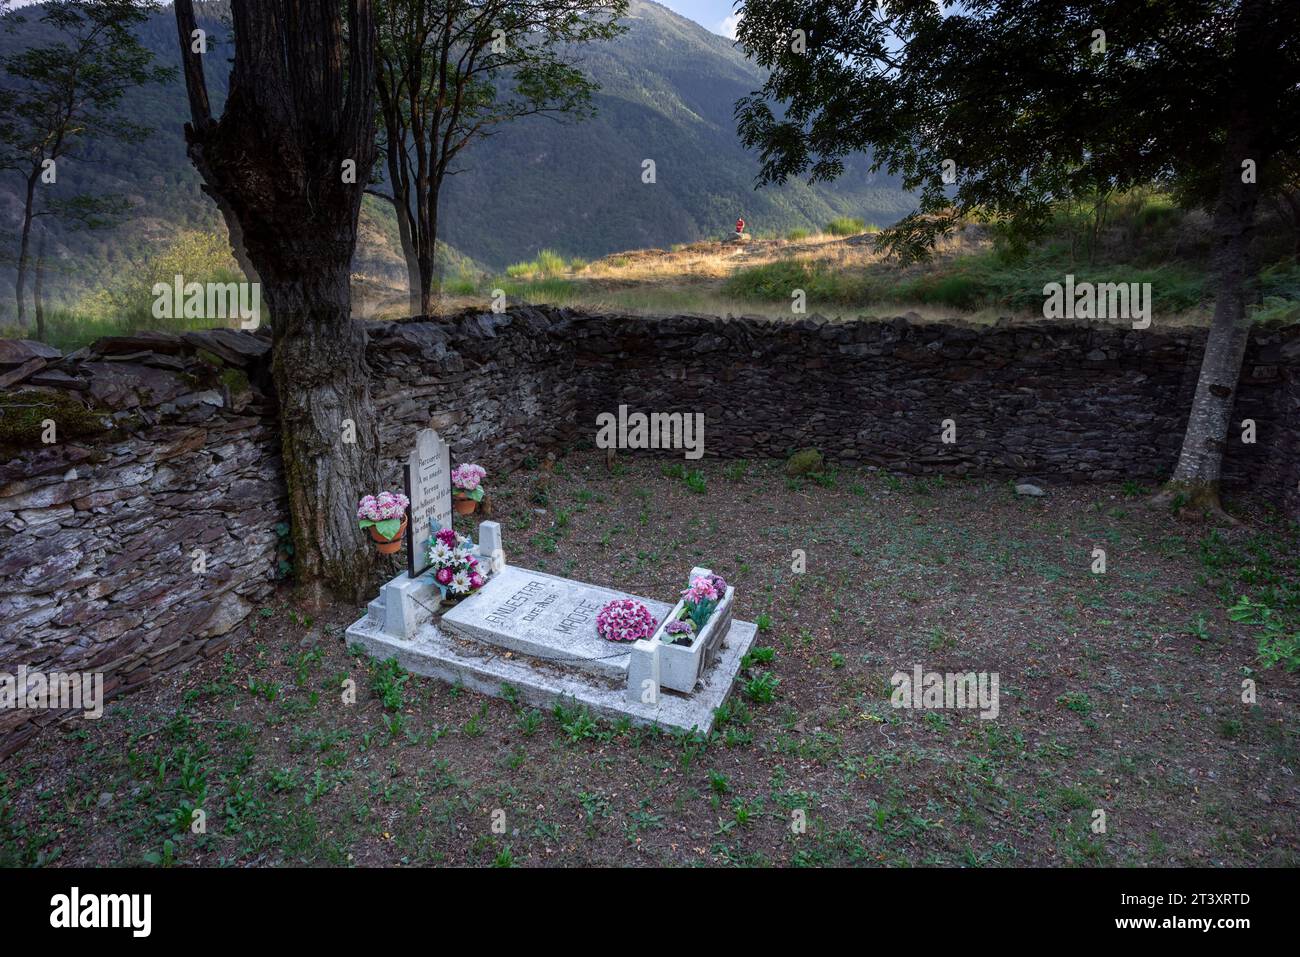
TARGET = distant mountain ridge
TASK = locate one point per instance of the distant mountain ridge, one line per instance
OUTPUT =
(668, 87)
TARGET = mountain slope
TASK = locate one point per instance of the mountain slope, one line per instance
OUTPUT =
(668, 87)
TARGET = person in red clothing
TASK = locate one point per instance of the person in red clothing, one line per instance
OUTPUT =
(740, 227)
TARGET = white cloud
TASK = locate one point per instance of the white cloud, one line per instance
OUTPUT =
(728, 26)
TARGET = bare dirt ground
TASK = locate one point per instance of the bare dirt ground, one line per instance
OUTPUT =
(1121, 692)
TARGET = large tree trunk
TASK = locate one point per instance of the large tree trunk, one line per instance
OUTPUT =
(1196, 478)
(24, 244)
(300, 107)
(328, 440)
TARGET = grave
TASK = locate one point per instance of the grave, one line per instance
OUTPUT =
(549, 618)
(532, 631)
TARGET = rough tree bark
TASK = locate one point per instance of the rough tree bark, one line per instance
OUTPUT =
(301, 104)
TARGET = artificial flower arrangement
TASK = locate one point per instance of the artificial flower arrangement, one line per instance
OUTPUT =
(625, 619)
(467, 486)
(698, 602)
(385, 515)
(453, 565)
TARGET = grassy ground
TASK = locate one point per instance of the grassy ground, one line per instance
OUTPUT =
(1120, 692)
(976, 273)
(843, 278)
(1140, 237)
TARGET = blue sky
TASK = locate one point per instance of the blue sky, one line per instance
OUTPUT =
(717, 15)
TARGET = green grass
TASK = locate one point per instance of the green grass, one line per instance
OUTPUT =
(846, 226)
(548, 265)
(70, 329)
(974, 282)
(777, 281)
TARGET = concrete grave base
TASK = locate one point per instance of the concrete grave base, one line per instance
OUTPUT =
(484, 667)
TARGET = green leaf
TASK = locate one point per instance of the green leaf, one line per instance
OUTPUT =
(388, 527)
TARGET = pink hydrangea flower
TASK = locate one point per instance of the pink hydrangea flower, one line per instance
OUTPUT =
(624, 619)
(467, 476)
(385, 505)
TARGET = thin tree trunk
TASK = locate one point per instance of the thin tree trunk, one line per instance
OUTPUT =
(426, 233)
(412, 268)
(399, 186)
(38, 288)
(428, 254)
(20, 283)
(1198, 473)
(402, 205)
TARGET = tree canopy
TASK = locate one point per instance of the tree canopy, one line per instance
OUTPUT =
(1029, 101)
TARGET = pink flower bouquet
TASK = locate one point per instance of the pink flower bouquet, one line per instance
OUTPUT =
(700, 599)
(624, 619)
(453, 565)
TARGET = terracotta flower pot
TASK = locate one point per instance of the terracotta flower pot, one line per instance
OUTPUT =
(463, 504)
(385, 546)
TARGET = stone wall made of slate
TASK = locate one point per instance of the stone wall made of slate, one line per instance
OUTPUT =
(165, 456)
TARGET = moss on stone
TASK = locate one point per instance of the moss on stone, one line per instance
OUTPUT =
(235, 380)
(23, 414)
(803, 462)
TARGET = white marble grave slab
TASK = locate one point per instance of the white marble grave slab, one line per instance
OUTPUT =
(549, 618)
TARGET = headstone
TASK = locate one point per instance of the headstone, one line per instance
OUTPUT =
(428, 486)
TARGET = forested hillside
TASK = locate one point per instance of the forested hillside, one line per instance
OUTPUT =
(668, 88)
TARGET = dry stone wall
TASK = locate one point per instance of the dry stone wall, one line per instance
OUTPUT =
(1067, 403)
(145, 533)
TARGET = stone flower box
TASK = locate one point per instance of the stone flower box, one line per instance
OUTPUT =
(680, 666)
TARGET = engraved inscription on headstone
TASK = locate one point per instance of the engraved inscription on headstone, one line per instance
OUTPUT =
(553, 619)
(428, 486)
